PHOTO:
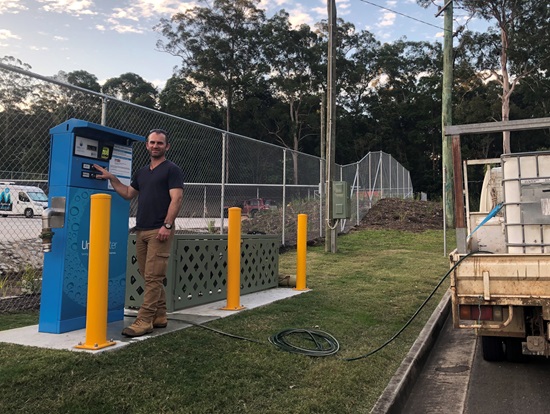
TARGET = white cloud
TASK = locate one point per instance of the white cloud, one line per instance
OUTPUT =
(123, 14)
(38, 48)
(298, 16)
(73, 7)
(343, 7)
(154, 8)
(125, 19)
(11, 6)
(274, 4)
(7, 34)
(298, 13)
(118, 27)
(60, 38)
(124, 28)
(387, 19)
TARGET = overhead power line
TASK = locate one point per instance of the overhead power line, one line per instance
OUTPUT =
(402, 14)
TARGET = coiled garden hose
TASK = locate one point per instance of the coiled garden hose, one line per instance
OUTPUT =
(325, 344)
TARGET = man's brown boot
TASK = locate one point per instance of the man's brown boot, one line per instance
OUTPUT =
(161, 321)
(138, 328)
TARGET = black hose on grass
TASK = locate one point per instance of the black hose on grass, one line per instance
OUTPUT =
(326, 344)
(417, 311)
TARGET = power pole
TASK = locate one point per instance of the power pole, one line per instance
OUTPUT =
(330, 232)
(322, 173)
(446, 112)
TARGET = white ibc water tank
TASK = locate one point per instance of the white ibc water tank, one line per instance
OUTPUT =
(526, 185)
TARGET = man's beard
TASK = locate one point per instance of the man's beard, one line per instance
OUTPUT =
(159, 154)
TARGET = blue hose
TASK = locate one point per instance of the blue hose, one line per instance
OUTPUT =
(492, 214)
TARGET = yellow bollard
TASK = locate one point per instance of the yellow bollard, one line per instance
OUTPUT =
(234, 260)
(301, 249)
(98, 274)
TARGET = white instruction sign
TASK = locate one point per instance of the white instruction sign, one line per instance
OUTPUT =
(121, 164)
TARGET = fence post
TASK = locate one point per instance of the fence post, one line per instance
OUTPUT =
(284, 199)
(104, 101)
(382, 174)
(321, 195)
(357, 193)
(222, 198)
(391, 159)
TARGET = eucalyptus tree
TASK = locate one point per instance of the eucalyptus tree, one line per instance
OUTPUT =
(358, 75)
(133, 88)
(64, 102)
(358, 69)
(182, 98)
(15, 88)
(294, 57)
(513, 49)
(406, 102)
(84, 79)
(219, 46)
(17, 92)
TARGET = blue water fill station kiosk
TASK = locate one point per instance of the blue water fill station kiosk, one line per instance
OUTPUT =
(75, 146)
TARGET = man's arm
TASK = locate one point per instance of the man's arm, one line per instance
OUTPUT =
(125, 191)
(176, 198)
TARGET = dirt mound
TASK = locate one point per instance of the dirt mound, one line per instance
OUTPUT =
(407, 215)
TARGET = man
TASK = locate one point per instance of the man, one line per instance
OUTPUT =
(160, 189)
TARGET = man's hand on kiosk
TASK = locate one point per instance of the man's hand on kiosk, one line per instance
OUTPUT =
(103, 173)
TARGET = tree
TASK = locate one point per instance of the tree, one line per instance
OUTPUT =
(181, 97)
(514, 49)
(406, 102)
(15, 88)
(294, 57)
(16, 91)
(84, 79)
(132, 88)
(219, 48)
(69, 102)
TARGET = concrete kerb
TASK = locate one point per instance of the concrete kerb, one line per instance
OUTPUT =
(397, 392)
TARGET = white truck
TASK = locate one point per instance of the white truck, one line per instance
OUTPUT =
(500, 284)
(22, 200)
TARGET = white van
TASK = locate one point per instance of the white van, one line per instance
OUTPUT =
(21, 200)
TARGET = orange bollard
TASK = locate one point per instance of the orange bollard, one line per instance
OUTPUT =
(98, 274)
(301, 250)
(234, 260)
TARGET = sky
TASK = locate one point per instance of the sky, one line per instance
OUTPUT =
(108, 38)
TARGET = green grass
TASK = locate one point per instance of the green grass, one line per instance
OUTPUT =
(362, 295)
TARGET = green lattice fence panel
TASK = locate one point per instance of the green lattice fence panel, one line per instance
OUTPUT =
(197, 271)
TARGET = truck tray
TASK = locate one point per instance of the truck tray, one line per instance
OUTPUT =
(502, 278)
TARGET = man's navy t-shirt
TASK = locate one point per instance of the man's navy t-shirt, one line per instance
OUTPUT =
(154, 193)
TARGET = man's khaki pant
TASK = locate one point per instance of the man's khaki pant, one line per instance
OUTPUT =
(152, 257)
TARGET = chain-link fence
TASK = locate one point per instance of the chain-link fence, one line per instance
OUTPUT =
(221, 169)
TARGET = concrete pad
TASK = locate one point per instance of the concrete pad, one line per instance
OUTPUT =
(30, 336)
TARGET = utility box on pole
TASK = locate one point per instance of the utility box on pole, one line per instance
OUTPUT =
(341, 205)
